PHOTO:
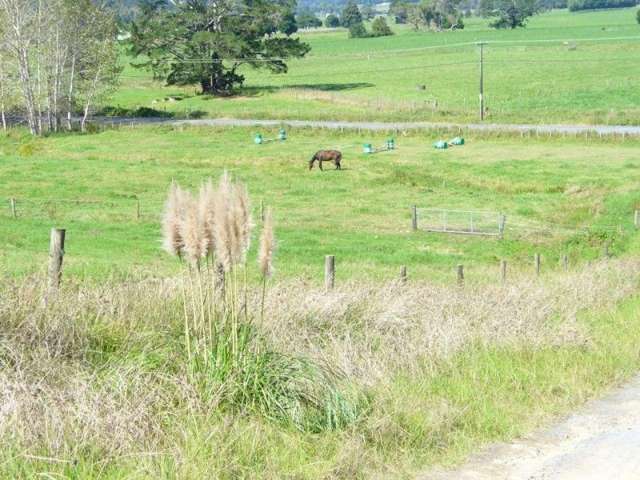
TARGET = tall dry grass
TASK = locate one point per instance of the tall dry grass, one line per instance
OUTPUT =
(103, 369)
(371, 331)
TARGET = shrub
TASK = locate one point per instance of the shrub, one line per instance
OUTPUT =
(332, 21)
(307, 19)
(638, 16)
(380, 28)
(357, 30)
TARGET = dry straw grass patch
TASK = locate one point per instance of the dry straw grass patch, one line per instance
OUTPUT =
(105, 368)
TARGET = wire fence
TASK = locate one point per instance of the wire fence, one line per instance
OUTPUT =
(122, 209)
(433, 220)
(497, 224)
(467, 222)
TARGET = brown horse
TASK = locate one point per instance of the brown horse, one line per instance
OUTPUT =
(326, 156)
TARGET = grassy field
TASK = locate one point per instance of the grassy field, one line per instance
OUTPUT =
(376, 378)
(560, 196)
(564, 67)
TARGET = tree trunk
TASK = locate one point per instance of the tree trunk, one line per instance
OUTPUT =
(38, 99)
(25, 80)
(4, 117)
(70, 97)
(89, 99)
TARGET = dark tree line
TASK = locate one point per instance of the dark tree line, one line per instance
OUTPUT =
(575, 5)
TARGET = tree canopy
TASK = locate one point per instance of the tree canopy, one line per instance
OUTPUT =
(332, 21)
(435, 15)
(205, 42)
(509, 13)
(56, 58)
(307, 19)
(350, 15)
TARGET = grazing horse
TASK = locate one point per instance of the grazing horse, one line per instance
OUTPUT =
(326, 156)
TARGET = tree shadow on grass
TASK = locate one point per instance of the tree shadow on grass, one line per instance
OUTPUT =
(145, 112)
(322, 87)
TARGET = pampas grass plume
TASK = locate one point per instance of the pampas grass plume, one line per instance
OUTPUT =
(174, 211)
(243, 221)
(192, 231)
(267, 246)
(206, 207)
(223, 234)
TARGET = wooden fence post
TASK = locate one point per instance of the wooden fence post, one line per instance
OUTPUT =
(565, 262)
(537, 263)
(138, 209)
(329, 272)
(14, 211)
(501, 226)
(403, 274)
(56, 253)
(606, 250)
(503, 271)
(414, 218)
(636, 219)
(460, 274)
(261, 210)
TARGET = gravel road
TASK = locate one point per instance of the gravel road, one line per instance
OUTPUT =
(384, 126)
(600, 442)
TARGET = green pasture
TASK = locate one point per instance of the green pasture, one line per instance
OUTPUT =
(563, 67)
(560, 196)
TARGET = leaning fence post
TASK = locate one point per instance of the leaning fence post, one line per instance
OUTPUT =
(565, 262)
(403, 274)
(606, 250)
(537, 263)
(503, 271)
(636, 219)
(460, 274)
(262, 210)
(137, 208)
(56, 253)
(329, 272)
(14, 212)
(414, 218)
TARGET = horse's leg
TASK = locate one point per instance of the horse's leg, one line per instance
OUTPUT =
(320, 164)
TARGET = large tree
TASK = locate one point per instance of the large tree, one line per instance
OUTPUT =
(350, 15)
(205, 42)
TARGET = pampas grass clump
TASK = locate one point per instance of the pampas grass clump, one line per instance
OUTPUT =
(211, 232)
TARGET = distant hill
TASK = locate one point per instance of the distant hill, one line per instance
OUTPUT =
(327, 6)
(126, 9)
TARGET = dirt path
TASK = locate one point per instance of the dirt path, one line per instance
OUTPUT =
(600, 442)
(383, 126)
